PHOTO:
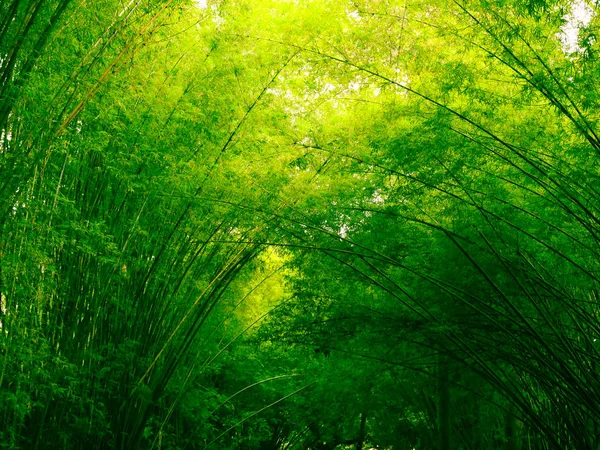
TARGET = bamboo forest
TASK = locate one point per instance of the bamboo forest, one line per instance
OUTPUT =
(300, 224)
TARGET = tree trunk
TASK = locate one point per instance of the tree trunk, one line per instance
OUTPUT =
(444, 425)
(361, 431)
(512, 441)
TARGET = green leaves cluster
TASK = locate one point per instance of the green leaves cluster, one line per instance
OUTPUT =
(308, 224)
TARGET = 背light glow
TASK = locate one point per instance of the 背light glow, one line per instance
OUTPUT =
(580, 16)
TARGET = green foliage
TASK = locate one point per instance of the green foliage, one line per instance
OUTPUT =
(298, 224)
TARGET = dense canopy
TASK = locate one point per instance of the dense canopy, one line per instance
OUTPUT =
(299, 224)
